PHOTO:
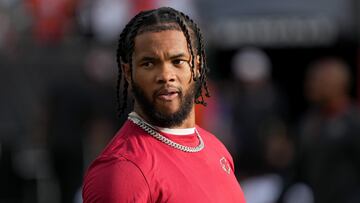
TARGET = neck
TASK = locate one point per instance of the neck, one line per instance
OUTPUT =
(189, 122)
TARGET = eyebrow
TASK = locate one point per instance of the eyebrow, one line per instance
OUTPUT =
(152, 58)
(148, 58)
(180, 55)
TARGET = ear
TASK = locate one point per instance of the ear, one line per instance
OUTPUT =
(126, 71)
(197, 66)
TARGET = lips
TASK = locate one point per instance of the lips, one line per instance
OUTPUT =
(167, 94)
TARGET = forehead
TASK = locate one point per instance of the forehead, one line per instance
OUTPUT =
(160, 43)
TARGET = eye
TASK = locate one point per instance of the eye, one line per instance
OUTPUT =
(178, 61)
(147, 64)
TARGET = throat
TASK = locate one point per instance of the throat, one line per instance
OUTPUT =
(174, 131)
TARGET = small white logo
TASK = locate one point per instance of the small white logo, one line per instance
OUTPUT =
(225, 165)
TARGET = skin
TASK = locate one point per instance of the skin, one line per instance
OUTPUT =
(160, 67)
(327, 83)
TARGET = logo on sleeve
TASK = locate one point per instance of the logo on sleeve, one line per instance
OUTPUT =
(225, 165)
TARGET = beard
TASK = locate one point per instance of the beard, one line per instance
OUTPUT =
(161, 119)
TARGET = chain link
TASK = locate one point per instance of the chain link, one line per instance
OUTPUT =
(149, 129)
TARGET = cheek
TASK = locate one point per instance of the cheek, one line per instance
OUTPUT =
(185, 75)
(144, 82)
(141, 77)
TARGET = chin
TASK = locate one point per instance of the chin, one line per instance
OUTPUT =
(168, 108)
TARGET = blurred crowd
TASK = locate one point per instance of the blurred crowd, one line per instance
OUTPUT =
(293, 140)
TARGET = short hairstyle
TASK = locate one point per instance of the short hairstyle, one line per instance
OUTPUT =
(158, 20)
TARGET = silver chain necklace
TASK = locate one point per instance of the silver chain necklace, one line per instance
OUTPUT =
(150, 129)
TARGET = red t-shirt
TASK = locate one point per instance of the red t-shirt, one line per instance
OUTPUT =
(136, 167)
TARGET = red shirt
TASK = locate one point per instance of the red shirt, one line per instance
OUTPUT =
(136, 167)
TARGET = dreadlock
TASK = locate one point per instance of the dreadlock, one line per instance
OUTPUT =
(156, 20)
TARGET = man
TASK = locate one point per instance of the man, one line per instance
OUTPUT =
(159, 154)
(329, 147)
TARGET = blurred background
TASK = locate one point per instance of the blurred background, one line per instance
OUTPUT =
(284, 82)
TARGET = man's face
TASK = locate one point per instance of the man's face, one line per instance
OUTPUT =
(161, 77)
(326, 82)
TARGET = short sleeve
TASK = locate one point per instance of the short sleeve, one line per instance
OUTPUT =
(115, 181)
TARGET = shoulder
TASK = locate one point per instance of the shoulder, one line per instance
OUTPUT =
(130, 141)
(353, 112)
(115, 179)
(117, 174)
(213, 144)
(212, 141)
(209, 137)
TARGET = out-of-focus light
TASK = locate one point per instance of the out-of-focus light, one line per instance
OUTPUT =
(275, 31)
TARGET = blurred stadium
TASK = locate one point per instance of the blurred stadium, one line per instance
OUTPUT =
(58, 108)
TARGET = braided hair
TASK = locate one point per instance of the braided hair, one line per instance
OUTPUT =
(156, 20)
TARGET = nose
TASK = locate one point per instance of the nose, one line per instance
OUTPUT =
(165, 74)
